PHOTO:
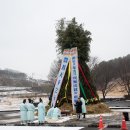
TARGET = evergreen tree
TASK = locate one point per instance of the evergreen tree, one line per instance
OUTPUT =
(69, 35)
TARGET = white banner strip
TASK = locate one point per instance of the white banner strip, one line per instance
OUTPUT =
(64, 64)
(74, 76)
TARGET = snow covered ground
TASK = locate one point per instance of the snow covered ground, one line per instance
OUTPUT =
(10, 90)
(5, 88)
(62, 119)
(8, 103)
(121, 110)
(14, 92)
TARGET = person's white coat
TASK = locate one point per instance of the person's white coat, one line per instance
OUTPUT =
(83, 105)
(30, 113)
(23, 112)
(56, 113)
(50, 112)
(41, 112)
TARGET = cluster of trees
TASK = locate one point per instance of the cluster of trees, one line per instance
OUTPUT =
(8, 73)
(14, 78)
(107, 74)
(43, 88)
(14, 82)
(55, 67)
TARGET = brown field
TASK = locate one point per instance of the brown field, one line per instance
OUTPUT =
(116, 92)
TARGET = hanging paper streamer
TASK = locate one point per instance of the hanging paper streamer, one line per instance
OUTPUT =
(75, 90)
(65, 97)
(81, 86)
(60, 77)
(67, 80)
(86, 81)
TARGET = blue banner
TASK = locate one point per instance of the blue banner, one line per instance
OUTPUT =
(74, 75)
(64, 64)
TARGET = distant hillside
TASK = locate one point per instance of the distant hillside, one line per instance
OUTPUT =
(8, 73)
(10, 77)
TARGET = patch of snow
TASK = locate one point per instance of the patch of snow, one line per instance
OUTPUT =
(13, 114)
(13, 88)
(8, 103)
(104, 114)
(14, 92)
(121, 110)
(60, 120)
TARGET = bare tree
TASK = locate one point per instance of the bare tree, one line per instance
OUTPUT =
(107, 88)
(93, 62)
(124, 73)
(103, 78)
(55, 67)
(117, 70)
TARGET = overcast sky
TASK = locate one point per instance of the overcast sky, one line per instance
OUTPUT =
(27, 30)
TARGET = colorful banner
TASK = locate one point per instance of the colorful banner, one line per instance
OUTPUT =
(85, 79)
(64, 64)
(67, 80)
(65, 97)
(75, 90)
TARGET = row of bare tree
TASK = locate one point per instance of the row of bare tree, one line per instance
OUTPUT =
(107, 74)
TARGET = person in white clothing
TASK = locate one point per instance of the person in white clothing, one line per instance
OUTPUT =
(23, 112)
(41, 112)
(31, 110)
(83, 107)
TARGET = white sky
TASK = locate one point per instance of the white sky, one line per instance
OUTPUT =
(27, 30)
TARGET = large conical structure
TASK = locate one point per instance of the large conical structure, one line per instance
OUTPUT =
(72, 35)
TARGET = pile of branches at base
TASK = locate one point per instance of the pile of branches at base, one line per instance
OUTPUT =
(98, 108)
(91, 109)
(69, 100)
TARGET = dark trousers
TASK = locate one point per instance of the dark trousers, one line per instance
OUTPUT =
(78, 115)
(84, 115)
